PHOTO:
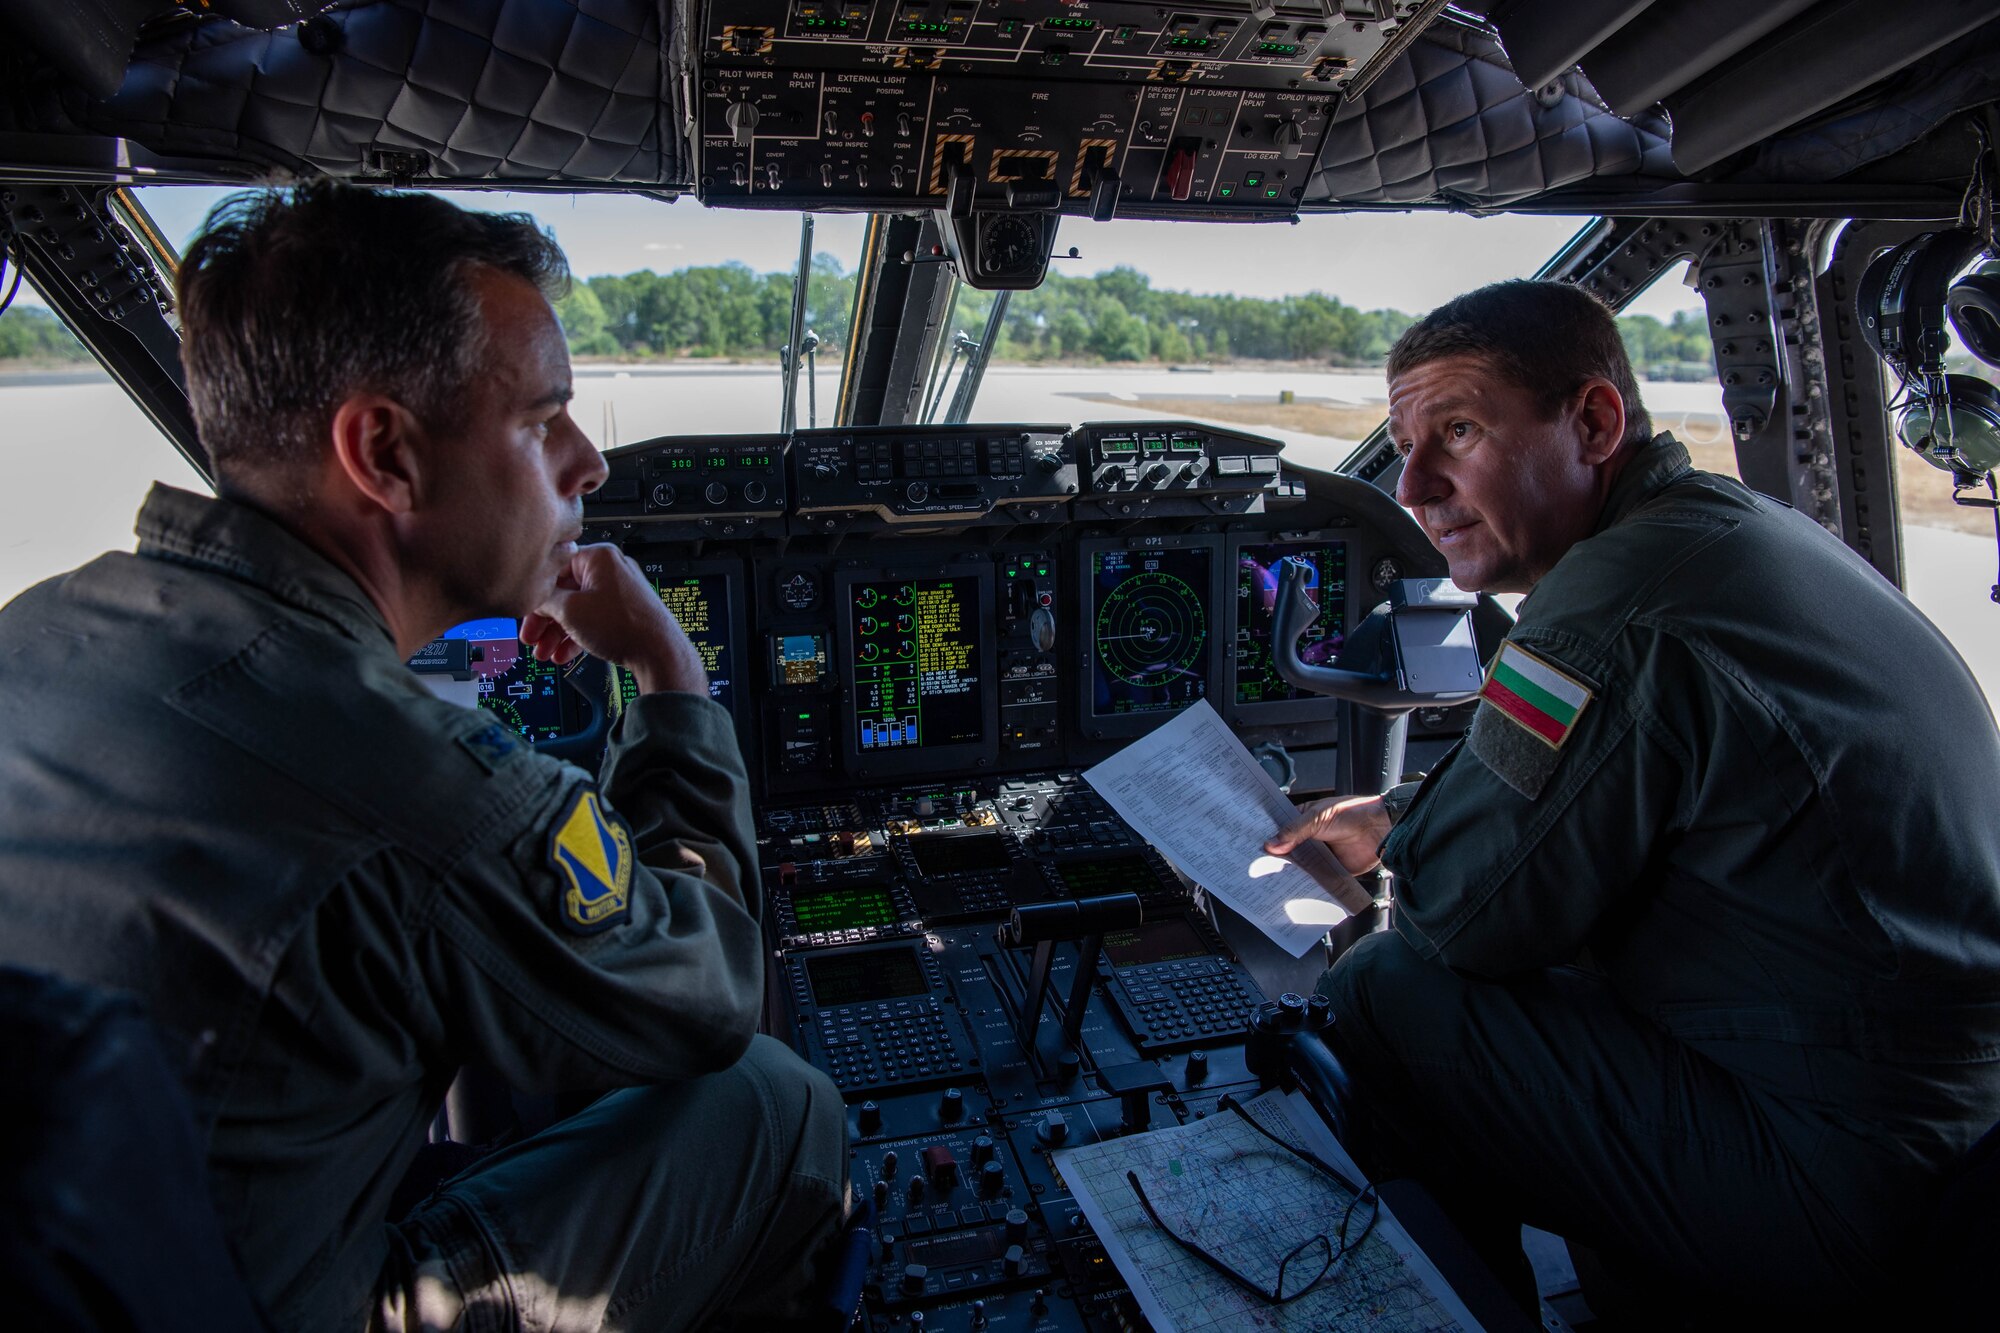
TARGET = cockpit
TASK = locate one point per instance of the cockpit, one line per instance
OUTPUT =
(1015, 422)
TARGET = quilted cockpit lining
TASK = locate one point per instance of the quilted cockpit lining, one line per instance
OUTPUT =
(1449, 122)
(501, 90)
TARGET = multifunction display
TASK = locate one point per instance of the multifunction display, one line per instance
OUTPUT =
(1149, 628)
(524, 694)
(700, 602)
(916, 663)
(865, 978)
(1258, 572)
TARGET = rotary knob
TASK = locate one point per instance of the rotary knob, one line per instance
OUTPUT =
(918, 491)
(992, 1179)
(715, 493)
(663, 496)
(1158, 473)
(755, 492)
(952, 1105)
(870, 1118)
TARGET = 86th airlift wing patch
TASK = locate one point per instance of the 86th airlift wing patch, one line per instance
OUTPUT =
(593, 852)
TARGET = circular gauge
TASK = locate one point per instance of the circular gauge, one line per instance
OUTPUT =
(1151, 629)
(1009, 244)
(869, 625)
(906, 594)
(799, 592)
(866, 598)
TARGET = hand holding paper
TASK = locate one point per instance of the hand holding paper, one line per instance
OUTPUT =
(1194, 792)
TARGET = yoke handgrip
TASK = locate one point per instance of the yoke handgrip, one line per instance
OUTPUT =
(1292, 616)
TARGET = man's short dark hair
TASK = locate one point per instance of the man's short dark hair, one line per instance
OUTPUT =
(292, 299)
(1548, 337)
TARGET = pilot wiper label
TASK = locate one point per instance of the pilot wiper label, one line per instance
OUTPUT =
(1535, 694)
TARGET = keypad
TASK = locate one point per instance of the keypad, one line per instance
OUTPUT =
(891, 1042)
(1183, 1003)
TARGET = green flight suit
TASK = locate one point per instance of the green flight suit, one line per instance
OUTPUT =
(221, 789)
(1707, 975)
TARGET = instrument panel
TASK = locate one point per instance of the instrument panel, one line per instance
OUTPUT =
(1135, 107)
(924, 634)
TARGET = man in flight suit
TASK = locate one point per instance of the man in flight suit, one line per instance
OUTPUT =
(1696, 956)
(220, 788)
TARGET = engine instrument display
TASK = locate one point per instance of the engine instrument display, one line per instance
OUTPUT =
(1149, 623)
(915, 647)
(865, 978)
(1258, 570)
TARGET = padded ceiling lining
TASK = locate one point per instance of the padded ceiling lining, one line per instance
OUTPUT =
(1450, 122)
(503, 90)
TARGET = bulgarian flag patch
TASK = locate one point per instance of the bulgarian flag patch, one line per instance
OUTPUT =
(1543, 699)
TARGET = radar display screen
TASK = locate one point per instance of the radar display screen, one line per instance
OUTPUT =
(843, 907)
(1118, 874)
(1149, 629)
(525, 695)
(865, 978)
(1154, 942)
(959, 853)
(1257, 576)
(916, 646)
(701, 603)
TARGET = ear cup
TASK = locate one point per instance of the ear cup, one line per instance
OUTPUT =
(1962, 438)
(1900, 300)
(1974, 306)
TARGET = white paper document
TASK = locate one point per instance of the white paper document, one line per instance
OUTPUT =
(1218, 1183)
(1207, 805)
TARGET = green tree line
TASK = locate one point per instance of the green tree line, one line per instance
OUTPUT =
(29, 334)
(728, 310)
(1118, 316)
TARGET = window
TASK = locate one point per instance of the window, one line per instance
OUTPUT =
(77, 455)
(1949, 554)
(1666, 335)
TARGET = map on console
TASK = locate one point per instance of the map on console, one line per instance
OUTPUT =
(1225, 1187)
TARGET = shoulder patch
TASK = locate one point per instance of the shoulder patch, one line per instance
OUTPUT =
(491, 746)
(592, 851)
(1540, 697)
(1527, 710)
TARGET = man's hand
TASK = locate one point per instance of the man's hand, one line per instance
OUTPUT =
(1352, 826)
(603, 605)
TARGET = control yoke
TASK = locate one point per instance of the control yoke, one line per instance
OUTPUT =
(1416, 650)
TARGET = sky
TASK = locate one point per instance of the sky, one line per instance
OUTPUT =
(1405, 261)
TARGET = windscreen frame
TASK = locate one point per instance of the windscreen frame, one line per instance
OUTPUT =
(918, 760)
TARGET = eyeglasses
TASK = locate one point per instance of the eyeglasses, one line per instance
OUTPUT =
(1316, 1256)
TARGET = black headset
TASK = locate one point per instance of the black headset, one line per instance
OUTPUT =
(1903, 302)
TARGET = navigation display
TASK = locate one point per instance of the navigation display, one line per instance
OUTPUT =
(1257, 577)
(1149, 624)
(524, 694)
(701, 602)
(916, 661)
(865, 978)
